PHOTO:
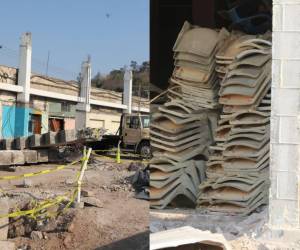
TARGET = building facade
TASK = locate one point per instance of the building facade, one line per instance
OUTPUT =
(34, 104)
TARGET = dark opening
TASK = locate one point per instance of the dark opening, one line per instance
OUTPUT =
(168, 16)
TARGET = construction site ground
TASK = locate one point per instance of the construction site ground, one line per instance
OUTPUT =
(241, 232)
(118, 221)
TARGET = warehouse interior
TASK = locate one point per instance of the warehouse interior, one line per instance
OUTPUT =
(174, 67)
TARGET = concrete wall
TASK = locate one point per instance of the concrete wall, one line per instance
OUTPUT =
(6, 98)
(54, 85)
(57, 109)
(8, 75)
(69, 123)
(14, 118)
(109, 119)
(15, 121)
(285, 117)
(80, 120)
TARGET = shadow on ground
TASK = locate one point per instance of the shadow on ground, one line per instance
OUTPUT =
(136, 242)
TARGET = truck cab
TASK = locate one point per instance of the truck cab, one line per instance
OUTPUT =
(135, 133)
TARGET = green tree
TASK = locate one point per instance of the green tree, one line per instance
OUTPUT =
(98, 80)
(114, 80)
(134, 65)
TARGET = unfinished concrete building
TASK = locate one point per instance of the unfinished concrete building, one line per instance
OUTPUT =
(31, 103)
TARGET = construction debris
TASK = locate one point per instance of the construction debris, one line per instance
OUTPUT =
(7, 245)
(188, 238)
(4, 222)
(39, 148)
(237, 168)
(92, 201)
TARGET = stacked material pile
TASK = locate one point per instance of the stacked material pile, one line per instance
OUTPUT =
(237, 169)
(181, 129)
(234, 44)
(178, 134)
(230, 48)
(194, 72)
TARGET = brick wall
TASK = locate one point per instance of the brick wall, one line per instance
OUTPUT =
(285, 117)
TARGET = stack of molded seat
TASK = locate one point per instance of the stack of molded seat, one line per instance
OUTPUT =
(247, 80)
(237, 168)
(246, 148)
(231, 47)
(242, 144)
(234, 44)
(175, 183)
(180, 136)
(182, 129)
(234, 194)
(194, 72)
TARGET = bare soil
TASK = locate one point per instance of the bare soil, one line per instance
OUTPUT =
(120, 223)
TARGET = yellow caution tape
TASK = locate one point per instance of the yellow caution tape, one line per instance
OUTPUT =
(124, 160)
(46, 171)
(123, 155)
(40, 208)
(35, 212)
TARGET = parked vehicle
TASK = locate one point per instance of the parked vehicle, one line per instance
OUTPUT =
(133, 135)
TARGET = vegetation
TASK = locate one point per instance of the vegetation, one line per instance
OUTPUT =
(114, 80)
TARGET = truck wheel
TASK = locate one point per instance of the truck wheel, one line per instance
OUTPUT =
(145, 150)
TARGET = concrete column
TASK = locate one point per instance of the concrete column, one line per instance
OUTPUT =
(85, 92)
(21, 114)
(24, 72)
(285, 117)
(85, 86)
(127, 92)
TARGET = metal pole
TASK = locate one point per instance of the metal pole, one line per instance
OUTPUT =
(47, 66)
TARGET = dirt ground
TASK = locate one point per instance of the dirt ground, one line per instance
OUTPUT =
(119, 222)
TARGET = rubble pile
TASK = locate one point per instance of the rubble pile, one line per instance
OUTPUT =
(237, 168)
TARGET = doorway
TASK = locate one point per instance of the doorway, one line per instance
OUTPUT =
(35, 124)
(56, 124)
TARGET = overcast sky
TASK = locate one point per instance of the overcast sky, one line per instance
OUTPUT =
(113, 32)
